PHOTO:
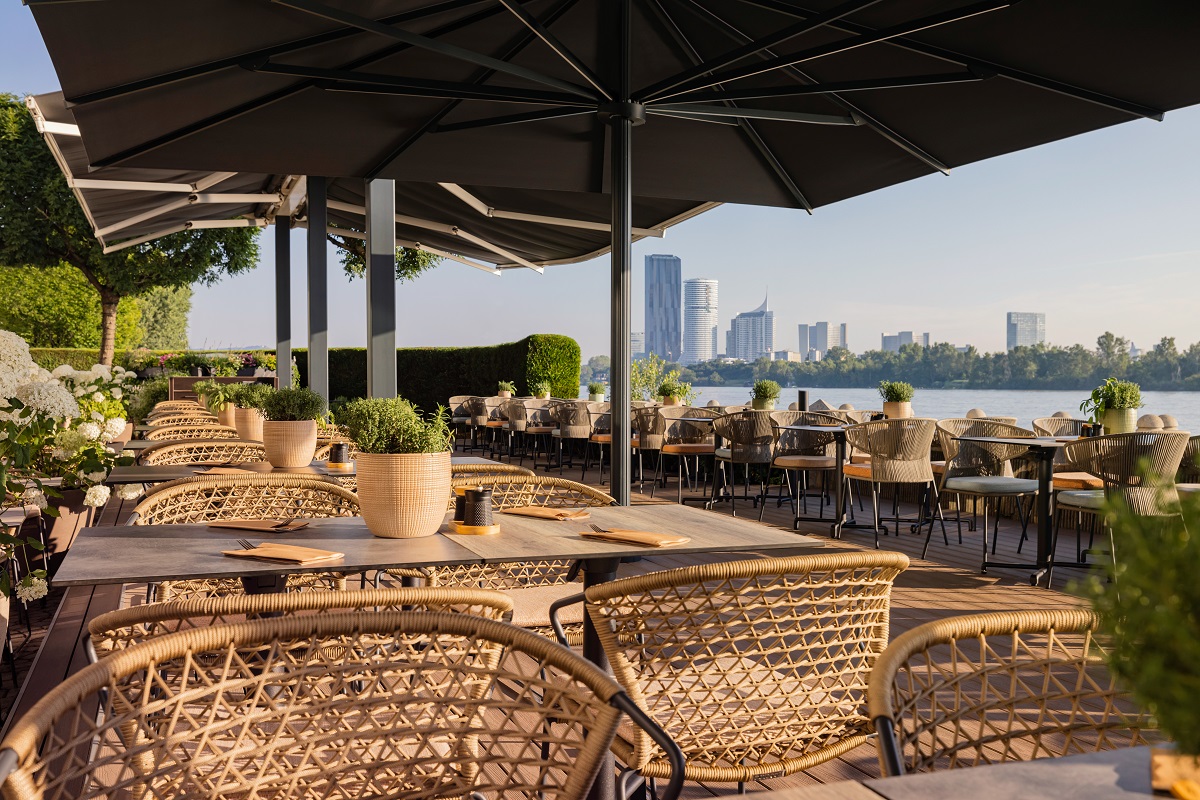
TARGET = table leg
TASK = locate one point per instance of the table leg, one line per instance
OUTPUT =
(839, 482)
(597, 571)
(1045, 532)
(264, 584)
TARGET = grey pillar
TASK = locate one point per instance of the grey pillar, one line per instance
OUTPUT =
(283, 300)
(318, 289)
(381, 288)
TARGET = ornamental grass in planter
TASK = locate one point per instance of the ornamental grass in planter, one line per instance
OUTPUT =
(764, 394)
(505, 389)
(897, 399)
(290, 426)
(247, 417)
(596, 392)
(403, 465)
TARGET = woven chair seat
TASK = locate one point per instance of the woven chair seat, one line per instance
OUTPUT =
(860, 458)
(991, 485)
(939, 467)
(805, 462)
(689, 449)
(1076, 480)
(531, 605)
(862, 471)
(540, 429)
(496, 423)
(1087, 499)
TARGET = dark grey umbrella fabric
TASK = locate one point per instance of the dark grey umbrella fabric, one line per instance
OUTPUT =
(828, 99)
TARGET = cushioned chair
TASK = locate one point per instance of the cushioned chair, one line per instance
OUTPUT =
(460, 415)
(803, 452)
(486, 419)
(683, 440)
(601, 436)
(898, 454)
(650, 429)
(990, 688)
(747, 438)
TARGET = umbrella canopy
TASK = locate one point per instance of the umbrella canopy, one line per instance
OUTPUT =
(484, 227)
(772, 102)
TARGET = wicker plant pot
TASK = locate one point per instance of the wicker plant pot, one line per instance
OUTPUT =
(403, 496)
(1119, 420)
(227, 415)
(897, 410)
(249, 423)
(503, 394)
(596, 397)
(670, 401)
(290, 445)
(763, 404)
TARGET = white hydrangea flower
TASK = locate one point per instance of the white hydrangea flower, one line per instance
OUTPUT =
(129, 491)
(116, 393)
(113, 428)
(31, 588)
(98, 397)
(63, 371)
(128, 453)
(49, 398)
(80, 391)
(35, 497)
(14, 353)
(101, 371)
(96, 477)
(90, 431)
(96, 496)
(98, 416)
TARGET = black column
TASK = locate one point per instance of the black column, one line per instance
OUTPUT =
(283, 300)
(318, 289)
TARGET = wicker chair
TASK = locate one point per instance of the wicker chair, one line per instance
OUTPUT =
(755, 668)
(355, 704)
(649, 429)
(460, 414)
(121, 629)
(1058, 426)
(983, 471)
(203, 451)
(221, 497)
(988, 688)
(683, 440)
(1189, 465)
(601, 436)
(802, 452)
(486, 418)
(169, 406)
(748, 438)
(898, 452)
(197, 417)
(573, 423)
(167, 433)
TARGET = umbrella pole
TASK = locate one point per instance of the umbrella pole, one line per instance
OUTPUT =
(318, 289)
(381, 288)
(621, 121)
(283, 300)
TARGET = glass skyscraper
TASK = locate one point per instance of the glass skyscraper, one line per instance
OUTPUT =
(664, 292)
(1025, 329)
(699, 320)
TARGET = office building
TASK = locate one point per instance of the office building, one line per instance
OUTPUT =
(821, 337)
(892, 342)
(804, 339)
(787, 355)
(664, 275)
(637, 343)
(752, 334)
(1026, 329)
(699, 320)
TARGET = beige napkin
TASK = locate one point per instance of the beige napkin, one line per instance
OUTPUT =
(264, 525)
(646, 538)
(541, 512)
(286, 553)
(224, 471)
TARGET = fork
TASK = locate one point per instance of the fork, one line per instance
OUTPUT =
(246, 544)
(597, 528)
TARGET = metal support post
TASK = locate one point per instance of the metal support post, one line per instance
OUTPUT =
(381, 288)
(318, 289)
(283, 301)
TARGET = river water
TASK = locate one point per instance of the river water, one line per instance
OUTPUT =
(949, 403)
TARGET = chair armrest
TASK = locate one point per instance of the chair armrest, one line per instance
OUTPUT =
(674, 755)
(8, 763)
(891, 764)
(571, 600)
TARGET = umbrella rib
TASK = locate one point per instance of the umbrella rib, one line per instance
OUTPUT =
(874, 36)
(740, 112)
(1012, 73)
(552, 41)
(257, 55)
(433, 45)
(967, 76)
(735, 55)
(513, 119)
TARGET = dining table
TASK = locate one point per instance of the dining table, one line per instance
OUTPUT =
(839, 480)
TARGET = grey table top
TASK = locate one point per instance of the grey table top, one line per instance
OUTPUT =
(137, 554)
(138, 473)
(1048, 442)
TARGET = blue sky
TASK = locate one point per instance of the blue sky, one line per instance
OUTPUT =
(1100, 232)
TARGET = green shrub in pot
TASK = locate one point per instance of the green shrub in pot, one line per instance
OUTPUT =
(1114, 405)
(247, 417)
(290, 426)
(764, 394)
(897, 398)
(596, 391)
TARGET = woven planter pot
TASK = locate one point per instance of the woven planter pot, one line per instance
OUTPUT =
(403, 496)
(670, 401)
(249, 423)
(227, 415)
(762, 404)
(1119, 420)
(290, 445)
(897, 410)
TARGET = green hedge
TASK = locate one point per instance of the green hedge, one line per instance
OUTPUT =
(51, 357)
(431, 376)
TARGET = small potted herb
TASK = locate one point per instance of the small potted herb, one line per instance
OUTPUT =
(764, 394)
(596, 392)
(673, 391)
(290, 427)
(540, 390)
(897, 399)
(403, 465)
(247, 416)
(505, 389)
(1114, 405)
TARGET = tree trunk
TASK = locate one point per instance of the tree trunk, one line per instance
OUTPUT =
(108, 326)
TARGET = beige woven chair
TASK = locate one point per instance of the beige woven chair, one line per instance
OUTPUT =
(487, 418)
(748, 438)
(220, 497)
(354, 704)
(683, 440)
(803, 452)
(649, 432)
(168, 406)
(898, 451)
(755, 668)
(460, 415)
(197, 417)
(167, 433)
(123, 628)
(573, 423)
(1189, 464)
(990, 688)
(1058, 426)
(203, 451)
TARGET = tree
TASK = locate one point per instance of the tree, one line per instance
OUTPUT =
(599, 365)
(56, 307)
(165, 317)
(1113, 352)
(409, 263)
(42, 225)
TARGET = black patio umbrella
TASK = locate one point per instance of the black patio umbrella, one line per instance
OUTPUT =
(794, 103)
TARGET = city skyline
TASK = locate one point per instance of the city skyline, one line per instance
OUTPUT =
(751, 334)
(663, 298)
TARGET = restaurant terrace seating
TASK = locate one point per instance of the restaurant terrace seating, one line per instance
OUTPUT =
(747, 438)
(684, 439)
(197, 417)
(898, 451)
(203, 451)
(802, 452)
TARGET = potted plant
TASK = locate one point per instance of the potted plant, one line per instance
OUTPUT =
(195, 364)
(289, 430)
(505, 389)
(1147, 608)
(672, 391)
(596, 392)
(897, 399)
(1114, 405)
(247, 416)
(248, 364)
(540, 390)
(764, 394)
(403, 465)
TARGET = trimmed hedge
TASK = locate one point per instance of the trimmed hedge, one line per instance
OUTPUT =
(51, 357)
(430, 376)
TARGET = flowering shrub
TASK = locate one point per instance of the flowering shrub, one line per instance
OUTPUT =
(100, 391)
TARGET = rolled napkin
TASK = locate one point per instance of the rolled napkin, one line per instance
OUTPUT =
(286, 553)
(646, 538)
(264, 525)
(224, 471)
(542, 512)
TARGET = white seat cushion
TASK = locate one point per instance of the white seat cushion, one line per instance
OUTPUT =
(991, 484)
(531, 605)
(1089, 499)
(1188, 488)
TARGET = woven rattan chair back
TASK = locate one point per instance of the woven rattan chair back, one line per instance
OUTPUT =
(988, 688)
(197, 417)
(167, 406)
(755, 668)
(679, 431)
(1138, 468)
(1189, 465)
(457, 406)
(573, 418)
(650, 426)
(167, 433)
(203, 451)
(478, 471)
(1058, 426)
(979, 458)
(601, 414)
(899, 448)
(804, 443)
(748, 435)
(353, 704)
(118, 630)
(515, 411)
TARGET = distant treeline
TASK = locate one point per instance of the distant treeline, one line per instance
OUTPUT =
(942, 366)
